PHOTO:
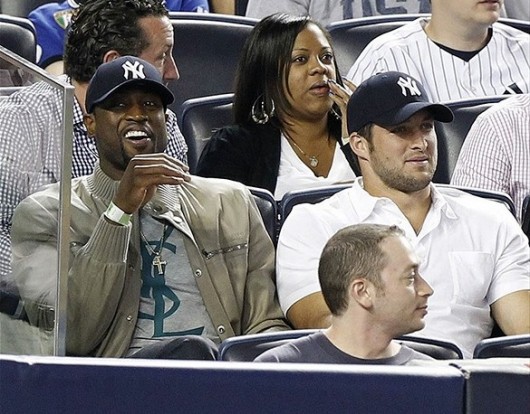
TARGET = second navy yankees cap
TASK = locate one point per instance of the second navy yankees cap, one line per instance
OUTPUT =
(125, 71)
(390, 98)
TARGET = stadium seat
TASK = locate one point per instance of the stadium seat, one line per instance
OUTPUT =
(229, 18)
(452, 135)
(18, 35)
(248, 347)
(514, 346)
(522, 25)
(351, 36)
(435, 348)
(199, 120)
(268, 209)
(315, 195)
(206, 53)
(310, 195)
(495, 385)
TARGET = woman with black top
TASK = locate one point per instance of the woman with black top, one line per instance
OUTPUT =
(288, 107)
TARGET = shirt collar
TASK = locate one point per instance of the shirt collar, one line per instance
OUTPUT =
(367, 206)
(439, 202)
(369, 203)
(78, 114)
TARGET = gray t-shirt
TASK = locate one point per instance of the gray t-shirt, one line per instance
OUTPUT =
(171, 304)
(317, 348)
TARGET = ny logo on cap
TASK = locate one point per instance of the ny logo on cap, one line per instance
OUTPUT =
(409, 84)
(133, 70)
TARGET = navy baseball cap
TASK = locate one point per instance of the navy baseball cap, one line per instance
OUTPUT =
(121, 72)
(390, 98)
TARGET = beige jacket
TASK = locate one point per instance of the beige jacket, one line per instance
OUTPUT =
(228, 248)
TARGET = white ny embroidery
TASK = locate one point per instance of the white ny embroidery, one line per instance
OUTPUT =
(409, 84)
(133, 70)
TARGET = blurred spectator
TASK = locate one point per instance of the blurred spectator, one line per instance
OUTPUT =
(223, 6)
(460, 52)
(329, 11)
(518, 9)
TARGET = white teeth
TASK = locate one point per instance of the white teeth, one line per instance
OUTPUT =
(135, 134)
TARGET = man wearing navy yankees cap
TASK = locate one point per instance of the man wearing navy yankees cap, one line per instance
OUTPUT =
(474, 254)
(162, 264)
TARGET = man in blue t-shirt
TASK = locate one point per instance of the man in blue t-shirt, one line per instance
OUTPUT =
(370, 281)
(51, 21)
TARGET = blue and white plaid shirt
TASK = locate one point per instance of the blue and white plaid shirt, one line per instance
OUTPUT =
(30, 150)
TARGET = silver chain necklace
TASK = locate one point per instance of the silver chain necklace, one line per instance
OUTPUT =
(157, 262)
(313, 159)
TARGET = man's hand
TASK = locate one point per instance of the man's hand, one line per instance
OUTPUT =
(143, 174)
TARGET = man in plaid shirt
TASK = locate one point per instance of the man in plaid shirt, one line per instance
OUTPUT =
(30, 120)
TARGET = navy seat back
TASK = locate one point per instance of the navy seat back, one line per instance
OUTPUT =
(206, 53)
(200, 118)
(351, 36)
(514, 346)
(315, 195)
(94, 385)
(451, 136)
(268, 209)
(248, 347)
(18, 35)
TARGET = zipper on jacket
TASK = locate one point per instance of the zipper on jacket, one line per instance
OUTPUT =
(209, 255)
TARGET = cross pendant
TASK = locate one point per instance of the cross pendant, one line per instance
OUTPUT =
(159, 264)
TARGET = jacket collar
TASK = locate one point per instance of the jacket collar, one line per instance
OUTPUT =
(105, 188)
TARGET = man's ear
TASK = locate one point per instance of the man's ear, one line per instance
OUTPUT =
(90, 123)
(361, 292)
(359, 146)
(110, 56)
